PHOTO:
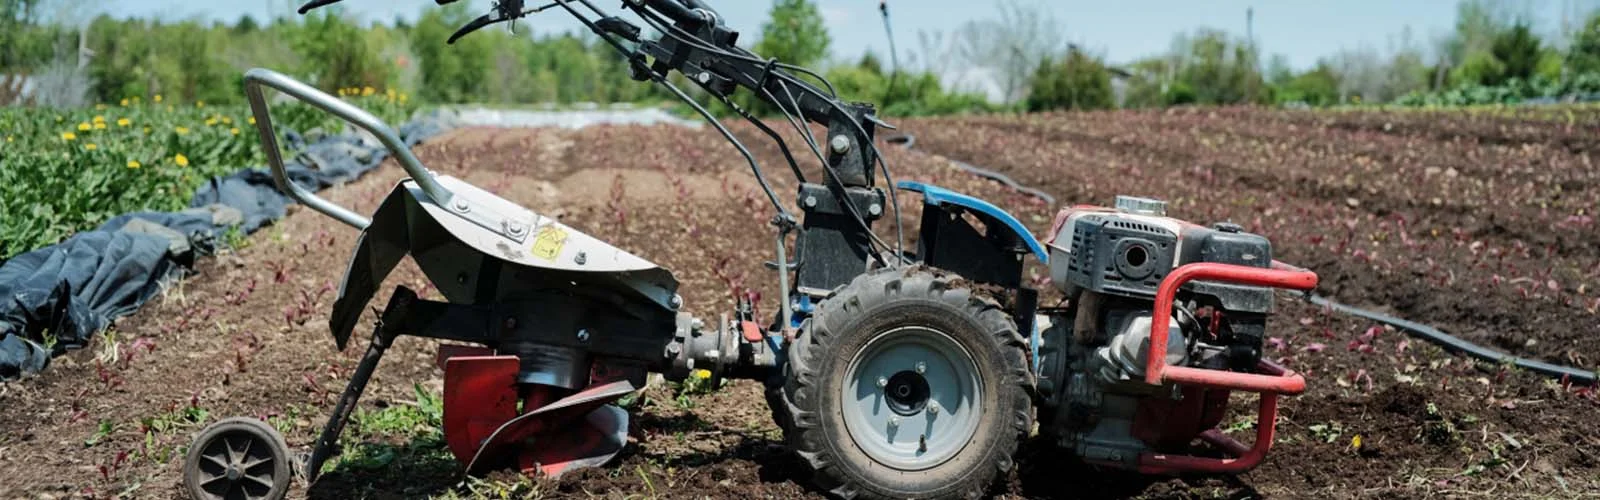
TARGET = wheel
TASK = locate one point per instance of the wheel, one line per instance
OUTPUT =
(238, 459)
(906, 384)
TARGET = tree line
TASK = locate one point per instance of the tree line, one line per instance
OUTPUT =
(1492, 54)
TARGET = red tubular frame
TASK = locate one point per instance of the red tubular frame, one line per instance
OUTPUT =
(1273, 381)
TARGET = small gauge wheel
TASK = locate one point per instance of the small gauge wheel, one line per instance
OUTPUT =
(238, 458)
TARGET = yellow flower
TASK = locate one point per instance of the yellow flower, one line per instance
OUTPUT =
(341, 92)
(133, 164)
(367, 91)
(252, 120)
(147, 130)
(181, 160)
(90, 146)
(123, 122)
(199, 104)
(99, 119)
(182, 130)
(234, 131)
(158, 97)
(99, 125)
(227, 121)
(702, 373)
(83, 126)
(211, 121)
(67, 136)
(9, 138)
(100, 106)
(124, 103)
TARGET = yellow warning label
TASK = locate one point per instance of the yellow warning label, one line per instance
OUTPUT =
(547, 245)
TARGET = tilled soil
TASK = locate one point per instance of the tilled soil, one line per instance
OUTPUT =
(1372, 206)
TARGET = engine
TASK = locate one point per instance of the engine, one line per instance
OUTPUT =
(1093, 353)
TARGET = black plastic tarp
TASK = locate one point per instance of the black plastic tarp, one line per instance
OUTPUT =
(60, 296)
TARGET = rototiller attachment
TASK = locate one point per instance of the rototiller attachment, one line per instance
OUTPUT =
(892, 372)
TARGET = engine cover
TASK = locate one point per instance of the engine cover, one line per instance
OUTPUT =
(1127, 251)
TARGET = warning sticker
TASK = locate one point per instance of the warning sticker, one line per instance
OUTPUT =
(547, 244)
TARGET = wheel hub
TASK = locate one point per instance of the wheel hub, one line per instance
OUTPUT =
(911, 396)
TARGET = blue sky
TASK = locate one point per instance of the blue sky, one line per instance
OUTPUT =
(1302, 30)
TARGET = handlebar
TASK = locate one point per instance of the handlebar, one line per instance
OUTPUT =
(259, 77)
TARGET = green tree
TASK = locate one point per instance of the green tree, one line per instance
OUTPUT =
(1317, 87)
(450, 73)
(1077, 81)
(1584, 55)
(794, 33)
(335, 53)
(1518, 51)
(1219, 69)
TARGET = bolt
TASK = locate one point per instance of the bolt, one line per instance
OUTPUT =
(581, 258)
(697, 324)
(674, 349)
(921, 367)
(704, 77)
(583, 335)
(515, 228)
(811, 202)
(510, 323)
(461, 205)
(677, 301)
(894, 421)
(883, 382)
(933, 407)
(840, 144)
(875, 209)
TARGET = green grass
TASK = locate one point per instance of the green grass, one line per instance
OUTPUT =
(67, 170)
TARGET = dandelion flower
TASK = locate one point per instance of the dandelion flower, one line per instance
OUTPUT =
(9, 138)
(234, 131)
(99, 125)
(199, 104)
(182, 130)
(252, 120)
(100, 106)
(123, 122)
(158, 97)
(90, 146)
(211, 122)
(367, 91)
(84, 127)
(227, 121)
(124, 103)
(181, 160)
(133, 164)
(702, 373)
(99, 118)
(68, 136)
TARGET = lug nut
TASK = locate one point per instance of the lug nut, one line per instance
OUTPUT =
(894, 421)
(922, 367)
(583, 335)
(933, 407)
(883, 382)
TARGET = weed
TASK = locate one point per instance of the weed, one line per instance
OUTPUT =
(1326, 433)
(101, 432)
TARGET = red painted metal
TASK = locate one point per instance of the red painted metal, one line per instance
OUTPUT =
(1271, 381)
(480, 394)
(1157, 371)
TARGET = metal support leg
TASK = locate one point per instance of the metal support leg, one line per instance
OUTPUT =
(327, 443)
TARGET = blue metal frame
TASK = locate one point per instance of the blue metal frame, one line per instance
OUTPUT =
(936, 195)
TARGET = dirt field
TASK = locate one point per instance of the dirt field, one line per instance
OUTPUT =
(1478, 224)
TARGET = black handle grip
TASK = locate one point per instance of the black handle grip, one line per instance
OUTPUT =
(314, 4)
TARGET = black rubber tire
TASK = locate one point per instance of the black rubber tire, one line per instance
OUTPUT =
(806, 405)
(264, 443)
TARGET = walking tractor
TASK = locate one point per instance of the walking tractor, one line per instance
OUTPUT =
(893, 372)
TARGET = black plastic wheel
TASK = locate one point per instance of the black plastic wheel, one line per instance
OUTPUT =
(905, 384)
(238, 459)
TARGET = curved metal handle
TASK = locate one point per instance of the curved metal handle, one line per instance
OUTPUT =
(258, 77)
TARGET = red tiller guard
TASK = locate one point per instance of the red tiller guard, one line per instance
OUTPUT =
(1273, 381)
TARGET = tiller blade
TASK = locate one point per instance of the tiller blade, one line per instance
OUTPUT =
(552, 435)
